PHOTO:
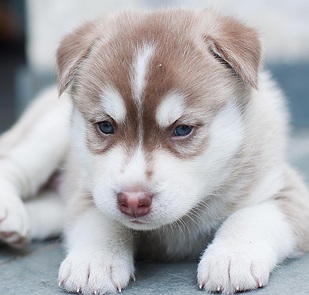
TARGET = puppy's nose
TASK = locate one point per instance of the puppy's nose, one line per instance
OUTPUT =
(134, 204)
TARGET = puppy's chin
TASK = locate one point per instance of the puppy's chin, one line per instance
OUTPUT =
(136, 224)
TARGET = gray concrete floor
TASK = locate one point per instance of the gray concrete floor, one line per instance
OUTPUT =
(34, 270)
(35, 273)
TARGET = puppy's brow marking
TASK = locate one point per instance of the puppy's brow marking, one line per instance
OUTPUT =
(113, 104)
(170, 109)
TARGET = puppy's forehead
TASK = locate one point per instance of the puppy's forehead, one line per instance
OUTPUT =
(133, 56)
(143, 64)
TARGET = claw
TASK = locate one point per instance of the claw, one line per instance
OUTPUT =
(201, 286)
(60, 283)
(218, 289)
(119, 289)
(78, 290)
(260, 285)
(237, 288)
(133, 277)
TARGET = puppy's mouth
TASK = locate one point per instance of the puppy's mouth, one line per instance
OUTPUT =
(139, 224)
(137, 221)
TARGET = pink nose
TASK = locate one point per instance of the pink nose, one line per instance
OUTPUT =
(134, 204)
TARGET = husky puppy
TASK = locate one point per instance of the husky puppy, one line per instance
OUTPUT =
(175, 150)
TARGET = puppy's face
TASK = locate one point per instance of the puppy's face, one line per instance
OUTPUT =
(157, 119)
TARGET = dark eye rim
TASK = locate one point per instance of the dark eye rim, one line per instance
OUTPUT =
(99, 129)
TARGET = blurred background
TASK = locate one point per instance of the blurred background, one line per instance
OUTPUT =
(30, 31)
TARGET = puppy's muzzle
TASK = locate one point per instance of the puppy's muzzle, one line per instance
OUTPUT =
(134, 203)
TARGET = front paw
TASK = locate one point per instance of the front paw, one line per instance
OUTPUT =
(95, 271)
(14, 219)
(232, 268)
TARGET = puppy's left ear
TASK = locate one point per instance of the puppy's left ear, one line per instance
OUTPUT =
(236, 44)
(73, 50)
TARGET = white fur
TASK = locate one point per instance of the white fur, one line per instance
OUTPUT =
(90, 269)
(140, 67)
(22, 176)
(270, 184)
(170, 109)
(134, 171)
(28, 180)
(113, 104)
(246, 249)
(45, 224)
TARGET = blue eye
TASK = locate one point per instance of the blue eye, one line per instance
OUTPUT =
(182, 130)
(106, 127)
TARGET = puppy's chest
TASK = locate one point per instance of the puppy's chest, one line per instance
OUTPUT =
(171, 244)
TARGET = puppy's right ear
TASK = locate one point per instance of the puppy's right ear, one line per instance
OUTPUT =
(73, 50)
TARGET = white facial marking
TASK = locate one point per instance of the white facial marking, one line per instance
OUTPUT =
(139, 80)
(113, 104)
(140, 70)
(135, 169)
(170, 109)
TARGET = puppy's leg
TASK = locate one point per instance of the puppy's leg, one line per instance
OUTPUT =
(46, 215)
(100, 256)
(247, 247)
(30, 154)
(38, 107)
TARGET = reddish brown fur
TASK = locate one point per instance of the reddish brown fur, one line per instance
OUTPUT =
(185, 63)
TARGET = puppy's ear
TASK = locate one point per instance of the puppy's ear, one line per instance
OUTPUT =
(73, 50)
(237, 45)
